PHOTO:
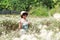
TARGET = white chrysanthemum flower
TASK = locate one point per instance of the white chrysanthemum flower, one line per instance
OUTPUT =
(44, 26)
(56, 16)
(16, 39)
(57, 36)
(49, 35)
(40, 26)
(28, 37)
(43, 33)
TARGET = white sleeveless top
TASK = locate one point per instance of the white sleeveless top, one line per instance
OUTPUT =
(24, 24)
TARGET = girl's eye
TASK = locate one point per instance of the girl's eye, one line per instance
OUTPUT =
(25, 15)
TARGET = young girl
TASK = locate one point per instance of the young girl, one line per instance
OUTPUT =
(24, 24)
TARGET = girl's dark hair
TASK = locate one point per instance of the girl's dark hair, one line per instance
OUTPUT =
(24, 14)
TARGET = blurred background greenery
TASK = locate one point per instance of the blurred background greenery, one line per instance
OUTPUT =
(35, 7)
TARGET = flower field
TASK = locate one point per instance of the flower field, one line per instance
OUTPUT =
(45, 28)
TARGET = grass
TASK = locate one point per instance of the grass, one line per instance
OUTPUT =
(46, 28)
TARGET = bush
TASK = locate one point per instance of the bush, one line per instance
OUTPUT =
(8, 25)
(52, 24)
(54, 10)
(39, 11)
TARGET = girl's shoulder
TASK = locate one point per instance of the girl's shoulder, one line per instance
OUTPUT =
(21, 20)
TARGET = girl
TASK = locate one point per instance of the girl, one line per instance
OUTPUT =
(24, 24)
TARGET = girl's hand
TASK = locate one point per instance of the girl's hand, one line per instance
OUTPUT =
(29, 23)
(20, 25)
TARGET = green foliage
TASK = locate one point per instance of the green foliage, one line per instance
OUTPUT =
(35, 7)
(54, 10)
(48, 3)
(5, 4)
(39, 11)
(19, 5)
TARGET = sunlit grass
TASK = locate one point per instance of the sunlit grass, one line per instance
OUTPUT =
(46, 28)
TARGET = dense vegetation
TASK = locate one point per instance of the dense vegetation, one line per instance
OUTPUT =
(41, 28)
(35, 7)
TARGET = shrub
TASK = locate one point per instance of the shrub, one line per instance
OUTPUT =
(8, 25)
(54, 10)
(52, 24)
(39, 11)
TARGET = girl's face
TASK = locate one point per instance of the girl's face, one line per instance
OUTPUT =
(24, 16)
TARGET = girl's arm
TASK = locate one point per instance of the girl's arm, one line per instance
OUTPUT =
(20, 25)
(29, 23)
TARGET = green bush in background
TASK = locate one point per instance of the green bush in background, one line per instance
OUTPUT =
(39, 11)
(35, 7)
(55, 10)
